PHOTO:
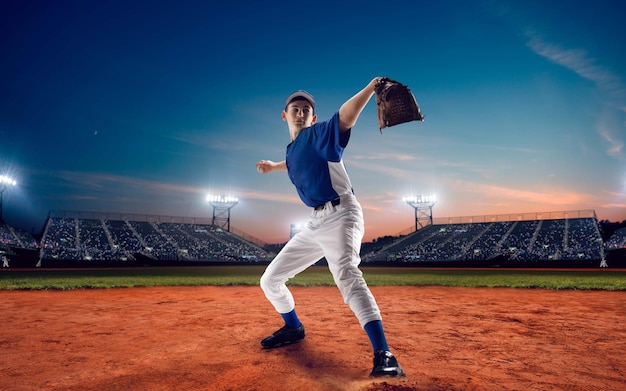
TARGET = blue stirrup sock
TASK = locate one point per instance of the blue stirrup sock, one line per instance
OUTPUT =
(376, 334)
(291, 319)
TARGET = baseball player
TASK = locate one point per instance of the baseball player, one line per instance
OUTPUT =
(335, 228)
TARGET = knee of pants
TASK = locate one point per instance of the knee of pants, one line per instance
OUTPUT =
(347, 273)
(264, 282)
(269, 284)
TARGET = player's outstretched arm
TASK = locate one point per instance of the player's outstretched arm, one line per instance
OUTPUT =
(349, 112)
(267, 166)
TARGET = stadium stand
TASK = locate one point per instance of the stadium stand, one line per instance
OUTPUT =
(18, 248)
(617, 240)
(85, 239)
(75, 241)
(16, 237)
(555, 243)
(615, 248)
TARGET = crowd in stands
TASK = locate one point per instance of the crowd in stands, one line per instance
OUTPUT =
(617, 240)
(524, 241)
(101, 240)
(15, 237)
(111, 240)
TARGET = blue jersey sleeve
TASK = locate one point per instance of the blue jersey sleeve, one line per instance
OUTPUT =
(328, 140)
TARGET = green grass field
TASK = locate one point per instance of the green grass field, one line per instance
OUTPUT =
(315, 276)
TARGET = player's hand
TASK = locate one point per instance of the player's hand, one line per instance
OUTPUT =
(375, 82)
(265, 166)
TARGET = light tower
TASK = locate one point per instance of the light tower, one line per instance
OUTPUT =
(423, 206)
(5, 182)
(221, 209)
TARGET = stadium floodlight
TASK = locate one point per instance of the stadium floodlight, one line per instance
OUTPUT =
(295, 228)
(423, 206)
(222, 200)
(420, 199)
(5, 182)
(221, 209)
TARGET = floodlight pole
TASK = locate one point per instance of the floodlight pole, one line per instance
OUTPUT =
(423, 207)
(221, 210)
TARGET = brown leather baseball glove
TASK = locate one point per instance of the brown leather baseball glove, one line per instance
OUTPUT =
(395, 104)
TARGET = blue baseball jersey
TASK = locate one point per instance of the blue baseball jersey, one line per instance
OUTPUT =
(315, 165)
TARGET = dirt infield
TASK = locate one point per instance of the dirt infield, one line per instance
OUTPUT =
(207, 338)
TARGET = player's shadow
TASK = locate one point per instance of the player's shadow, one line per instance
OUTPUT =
(324, 361)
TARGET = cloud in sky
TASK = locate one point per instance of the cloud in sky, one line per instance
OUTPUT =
(578, 61)
(606, 126)
(98, 183)
(609, 84)
(565, 197)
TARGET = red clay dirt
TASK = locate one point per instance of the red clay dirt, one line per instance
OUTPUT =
(207, 338)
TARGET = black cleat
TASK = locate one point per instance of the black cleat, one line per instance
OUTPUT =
(284, 336)
(385, 364)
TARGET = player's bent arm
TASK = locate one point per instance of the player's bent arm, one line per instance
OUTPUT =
(267, 166)
(349, 112)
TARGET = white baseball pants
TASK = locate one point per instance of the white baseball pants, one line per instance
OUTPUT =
(334, 232)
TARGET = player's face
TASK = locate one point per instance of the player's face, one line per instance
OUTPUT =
(299, 115)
